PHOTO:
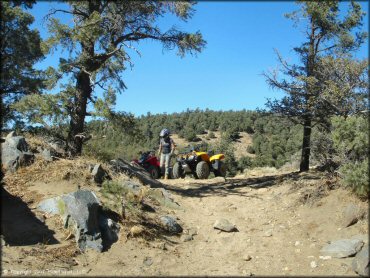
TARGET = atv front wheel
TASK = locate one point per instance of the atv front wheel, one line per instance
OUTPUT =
(202, 170)
(221, 172)
(153, 171)
(177, 171)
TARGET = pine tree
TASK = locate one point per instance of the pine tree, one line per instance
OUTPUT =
(327, 34)
(20, 49)
(100, 41)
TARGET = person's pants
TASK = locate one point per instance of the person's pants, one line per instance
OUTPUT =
(165, 163)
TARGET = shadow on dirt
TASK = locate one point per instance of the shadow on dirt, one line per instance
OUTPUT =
(19, 225)
(231, 186)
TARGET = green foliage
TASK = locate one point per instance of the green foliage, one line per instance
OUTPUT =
(326, 77)
(275, 140)
(211, 135)
(98, 37)
(351, 138)
(356, 176)
(226, 146)
(20, 50)
(243, 163)
(323, 150)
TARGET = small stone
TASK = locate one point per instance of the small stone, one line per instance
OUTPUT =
(268, 233)
(325, 257)
(136, 230)
(224, 225)
(247, 258)
(170, 224)
(148, 261)
(297, 243)
(313, 264)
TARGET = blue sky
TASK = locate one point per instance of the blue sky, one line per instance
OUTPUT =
(226, 75)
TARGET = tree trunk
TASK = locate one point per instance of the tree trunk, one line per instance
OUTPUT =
(77, 123)
(306, 146)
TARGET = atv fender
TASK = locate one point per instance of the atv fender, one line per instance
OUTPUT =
(203, 155)
(217, 157)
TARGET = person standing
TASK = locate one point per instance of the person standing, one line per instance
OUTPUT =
(166, 149)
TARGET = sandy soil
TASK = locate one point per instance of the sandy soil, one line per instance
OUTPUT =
(283, 221)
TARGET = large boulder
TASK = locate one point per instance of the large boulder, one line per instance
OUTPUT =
(351, 214)
(342, 248)
(360, 263)
(81, 214)
(122, 166)
(14, 152)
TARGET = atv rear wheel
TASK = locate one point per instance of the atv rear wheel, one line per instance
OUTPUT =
(153, 171)
(221, 172)
(202, 170)
(177, 171)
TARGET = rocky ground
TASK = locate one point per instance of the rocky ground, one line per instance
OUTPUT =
(264, 222)
(282, 222)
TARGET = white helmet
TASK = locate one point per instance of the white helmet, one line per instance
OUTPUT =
(164, 133)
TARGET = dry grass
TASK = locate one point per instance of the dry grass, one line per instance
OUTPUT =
(49, 256)
(42, 170)
(36, 142)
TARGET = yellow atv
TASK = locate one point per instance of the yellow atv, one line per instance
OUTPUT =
(200, 164)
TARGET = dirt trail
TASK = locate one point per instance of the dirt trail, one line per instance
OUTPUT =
(282, 224)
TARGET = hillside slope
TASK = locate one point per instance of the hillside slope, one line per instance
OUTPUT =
(283, 220)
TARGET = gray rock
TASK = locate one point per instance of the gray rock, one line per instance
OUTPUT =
(268, 233)
(163, 197)
(14, 152)
(148, 261)
(109, 229)
(360, 263)
(342, 248)
(170, 224)
(51, 205)
(132, 186)
(18, 142)
(81, 213)
(57, 146)
(46, 154)
(99, 174)
(352, 213)
(363, 237)
(224, 225)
